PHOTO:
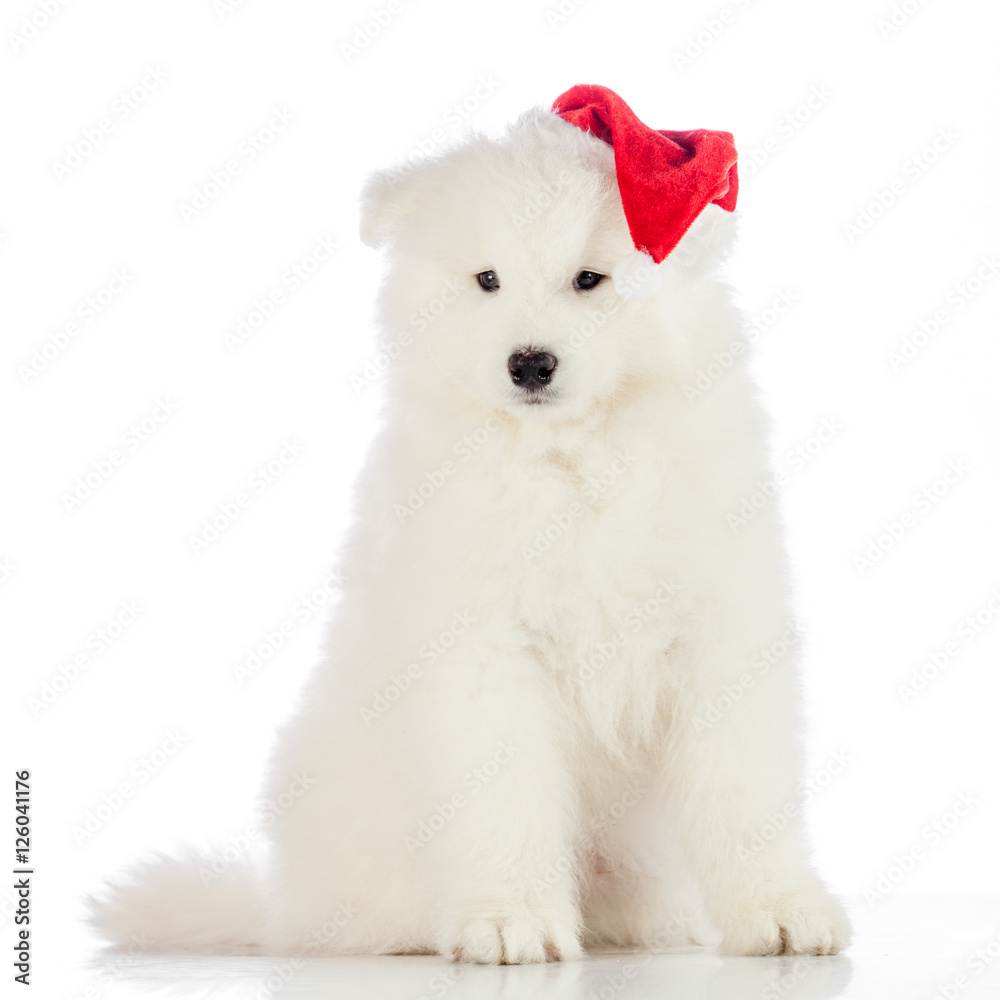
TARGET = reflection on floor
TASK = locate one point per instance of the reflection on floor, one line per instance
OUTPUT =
(934, 947)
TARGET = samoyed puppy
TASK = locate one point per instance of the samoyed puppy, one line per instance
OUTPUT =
(549, 714)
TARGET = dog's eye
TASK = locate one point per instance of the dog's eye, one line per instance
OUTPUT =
(488, 281)
(586, 280)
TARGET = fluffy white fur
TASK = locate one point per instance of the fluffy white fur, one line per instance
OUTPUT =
(539, 781)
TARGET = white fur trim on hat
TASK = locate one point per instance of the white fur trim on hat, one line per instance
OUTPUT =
(636, 276)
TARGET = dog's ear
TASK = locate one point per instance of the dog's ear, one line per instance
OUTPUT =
(385, 200)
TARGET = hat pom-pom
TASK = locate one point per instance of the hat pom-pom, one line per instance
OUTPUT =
(636, 276)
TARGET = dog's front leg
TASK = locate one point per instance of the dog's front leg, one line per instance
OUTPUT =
(496, 808)
(731, 774)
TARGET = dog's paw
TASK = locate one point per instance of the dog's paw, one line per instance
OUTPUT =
(788, 924)
(516, 938)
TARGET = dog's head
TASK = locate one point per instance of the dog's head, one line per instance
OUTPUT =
(501, 253)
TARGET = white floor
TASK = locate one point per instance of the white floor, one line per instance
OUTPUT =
(906, 946)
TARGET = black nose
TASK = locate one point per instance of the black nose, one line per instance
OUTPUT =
(531, 369)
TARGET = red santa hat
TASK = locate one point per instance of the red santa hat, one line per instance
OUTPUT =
(665, 178)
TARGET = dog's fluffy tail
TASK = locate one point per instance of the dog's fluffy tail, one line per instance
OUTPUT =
(182, 904)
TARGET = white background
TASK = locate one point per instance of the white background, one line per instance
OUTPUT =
(880, 97)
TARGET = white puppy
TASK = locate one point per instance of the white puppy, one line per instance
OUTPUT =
(546, 717)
